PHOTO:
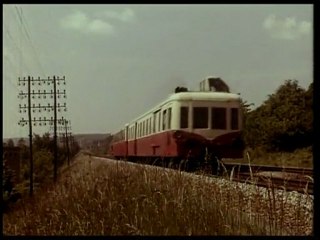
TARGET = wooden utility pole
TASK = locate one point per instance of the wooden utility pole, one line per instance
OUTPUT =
(30, 137)
(42, 121)
(55, 164)
(65, 136)
(67, 143)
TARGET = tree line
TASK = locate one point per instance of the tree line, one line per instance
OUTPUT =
(283, 122)
(43, 156)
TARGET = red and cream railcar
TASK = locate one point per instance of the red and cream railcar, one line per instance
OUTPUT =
(185, 125)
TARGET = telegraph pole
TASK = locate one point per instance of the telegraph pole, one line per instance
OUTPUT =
(67, 143)
(55, 131)
(30, 137)
(65, 136)
(41, 107)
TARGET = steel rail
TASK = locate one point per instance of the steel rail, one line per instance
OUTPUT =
(240, 167)
(302, 185)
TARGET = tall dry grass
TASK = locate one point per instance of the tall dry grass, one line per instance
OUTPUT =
(96, 198)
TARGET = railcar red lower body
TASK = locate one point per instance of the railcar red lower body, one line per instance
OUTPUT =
(181, 144)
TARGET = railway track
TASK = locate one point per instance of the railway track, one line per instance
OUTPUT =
(266, 168)
(287, 178)
(301, 184)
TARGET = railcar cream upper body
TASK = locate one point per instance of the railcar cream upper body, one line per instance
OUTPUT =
(209, 114)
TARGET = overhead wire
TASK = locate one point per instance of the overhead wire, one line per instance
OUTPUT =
(23, 63)
(9, 68)
(23, 22)
(17, 45)
(8, 59)
(62, 67)
(24, 30)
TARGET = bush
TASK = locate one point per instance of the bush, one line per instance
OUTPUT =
(284, 121)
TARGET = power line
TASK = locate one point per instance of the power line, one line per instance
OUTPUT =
(19, 49)
(61, 66)
(26, 28)
(21, 17)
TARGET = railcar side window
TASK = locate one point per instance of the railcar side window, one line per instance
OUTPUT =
(147, 126)
(164, 119)
(159, 122)
(154, 123)
(184, 117)
(137, 131)
(200, 117)
(169, 118)
(234, 119)
(129, 133)
(150, 126)
(219, 118)
(140, 135)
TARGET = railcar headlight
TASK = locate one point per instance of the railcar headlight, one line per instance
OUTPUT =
(238, 142)
(177, 134)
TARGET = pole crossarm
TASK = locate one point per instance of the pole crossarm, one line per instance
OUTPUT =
(48, 81)
(42, 94)
(41, 121)
(40, 107)
(61, 128)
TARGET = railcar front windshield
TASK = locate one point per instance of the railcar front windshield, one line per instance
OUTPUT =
(200, 117)
(234, 118)
(218, 118)
(184, 117)
(215, 118)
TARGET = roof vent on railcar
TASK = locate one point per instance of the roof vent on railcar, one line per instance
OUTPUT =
(180, 89)
(213, 84)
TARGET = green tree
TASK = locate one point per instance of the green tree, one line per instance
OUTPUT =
(10, 143)
(44, 142)
(7, 179)
(284, 121)
(9, 193)
(43, 167)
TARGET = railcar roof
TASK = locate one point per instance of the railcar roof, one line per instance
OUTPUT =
(194, 96)
(204, 96)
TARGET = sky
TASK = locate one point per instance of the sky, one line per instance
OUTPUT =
(121, 60)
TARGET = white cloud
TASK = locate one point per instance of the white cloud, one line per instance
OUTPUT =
(100, 26)
(127, 15)
(81, 22)
(287, 28)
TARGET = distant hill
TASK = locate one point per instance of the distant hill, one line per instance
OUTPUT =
(90, 141)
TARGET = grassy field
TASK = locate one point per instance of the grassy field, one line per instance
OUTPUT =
(96, 198)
